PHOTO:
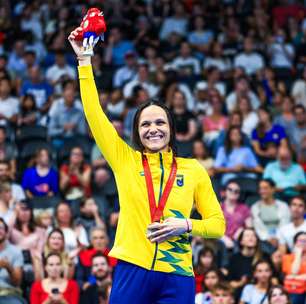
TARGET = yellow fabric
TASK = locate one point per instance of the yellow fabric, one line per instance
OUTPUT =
(192, 185)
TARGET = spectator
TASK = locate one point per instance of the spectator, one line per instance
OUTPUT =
(16, 63)
(298, 130)
(237, 214)
(29, 114)
(200, 153)
(54, 288)
(9, 105)
(11, 263)
(222, 294)
(41, 179)
(297, 224)
(269, 214)
(258, 292)
(212, 278)
(7, 204)
(97, 289)
(75, 234)
(235, 160)
(249, 60)
(286, 174)
(294, 267)
(286, 118)
(278, 295)
(267, 136)
(298, 90)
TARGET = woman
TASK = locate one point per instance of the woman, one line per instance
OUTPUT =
(75, 176)
(212, 278)
(142, 242)
(7, 204)
(278, 295)
(55, 243)
(28, 112)
(294, 268)
(75, 235)
(54, 289)
(200, 153)
(257, 293)
(267, 136)
(286, 119)
(237, 215)
(41, 179)
(234, 159)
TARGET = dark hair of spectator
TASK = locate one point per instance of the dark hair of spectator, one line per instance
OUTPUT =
(216, 271)
(297, 235)
(24, 110)
(268, 181)
(203, 252)
(299, 106)
(56, 212)
(4, 224)
(261, 128)
(135, 135)
(3, 129)
(280, 287)
(50, 255)
(299, 197)
(228, 143)
(224, 287)
(5, 162)
(31, 224)
(100, 254)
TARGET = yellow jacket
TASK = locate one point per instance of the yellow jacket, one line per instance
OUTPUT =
(192, 185)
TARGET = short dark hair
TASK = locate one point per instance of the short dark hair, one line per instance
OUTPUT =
(4, 224)
(268, 181)
(135, 135)
(296, 236)
(300, 197)
(99, 254)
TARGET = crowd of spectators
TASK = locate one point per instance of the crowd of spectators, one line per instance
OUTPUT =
(233, 73)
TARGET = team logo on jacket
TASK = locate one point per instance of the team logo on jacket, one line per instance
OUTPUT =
(180, 180)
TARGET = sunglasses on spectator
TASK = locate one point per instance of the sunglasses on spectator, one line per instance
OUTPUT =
(236, 191)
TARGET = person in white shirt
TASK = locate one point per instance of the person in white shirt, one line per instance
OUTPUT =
(251, 61)
(298, 91)
(287, 232)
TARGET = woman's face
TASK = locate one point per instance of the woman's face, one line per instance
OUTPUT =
(263, 116)
(244, 105)
(211, 280)
(249, 239)
(63, 214)
(76, 156)
(54, 267)
(99, 240)
(266, 191)
(178, 100)
(154, 129)
(28, 103)
(287, 105)
(207, 260)
(56, 242)
(43, 157)
(198, 149)
(232, 191)
(263, 273)
(301, 242)
(235, 136)
(24, 214)
(278, 297)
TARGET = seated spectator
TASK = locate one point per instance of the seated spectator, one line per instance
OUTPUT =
(249, 117)
(206, 261)
(29, 114)
(294, 267)
(216, 59)
(39, 88)
(7, 204)
(237, 215)
(222, 294)
(54, 288)
(41, 179)
(241, 263)
(97, 288)
(115, 105)
(185, 63)
(99, 243)
(286, 233)
(288, 176)
(212, 278)
(235, 160)
(16, 62)
(8, 151)
(6, 177)
(286, 118)
(25, 233)
(298, 130)
(267, 136)
(11, 263)
(67, 120)
(298, 90)
(200, 153)
(55, 243)
(75, 176)
(89, 215)
(250, 60)
(242, 88)
(257, 292)
(278, 295)
(75, 234)
(269, 214)
(215, 122)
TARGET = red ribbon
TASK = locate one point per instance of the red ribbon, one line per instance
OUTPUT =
(157, 211)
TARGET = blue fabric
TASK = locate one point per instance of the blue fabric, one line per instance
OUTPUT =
(274, 135)
(134, 284)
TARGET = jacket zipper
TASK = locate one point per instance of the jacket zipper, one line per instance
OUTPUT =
(160, 194)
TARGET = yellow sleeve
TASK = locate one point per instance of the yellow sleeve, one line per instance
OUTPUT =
(212, 224)
(112, 146)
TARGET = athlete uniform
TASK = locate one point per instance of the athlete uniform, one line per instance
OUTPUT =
(191, 186)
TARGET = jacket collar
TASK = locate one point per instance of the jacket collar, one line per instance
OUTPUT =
(154, 158)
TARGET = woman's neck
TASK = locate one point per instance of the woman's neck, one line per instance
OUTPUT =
(262, 285)
(178, 110)
(248, 251)
(230, 203)
(269, 200)
(54, 280)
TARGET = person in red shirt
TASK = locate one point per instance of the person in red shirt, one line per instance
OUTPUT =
(54, 289)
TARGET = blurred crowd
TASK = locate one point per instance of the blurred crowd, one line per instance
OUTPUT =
(233, 73)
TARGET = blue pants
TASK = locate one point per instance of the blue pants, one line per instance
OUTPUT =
(135, 285)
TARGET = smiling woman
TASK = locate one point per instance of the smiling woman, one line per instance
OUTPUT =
(157, 191)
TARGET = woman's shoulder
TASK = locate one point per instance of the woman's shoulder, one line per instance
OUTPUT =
(72, 285)
(37, 285)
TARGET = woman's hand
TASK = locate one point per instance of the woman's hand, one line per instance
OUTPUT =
(160, 232)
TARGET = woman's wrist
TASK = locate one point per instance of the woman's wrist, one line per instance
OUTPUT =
(188, 225)
(84, 60)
